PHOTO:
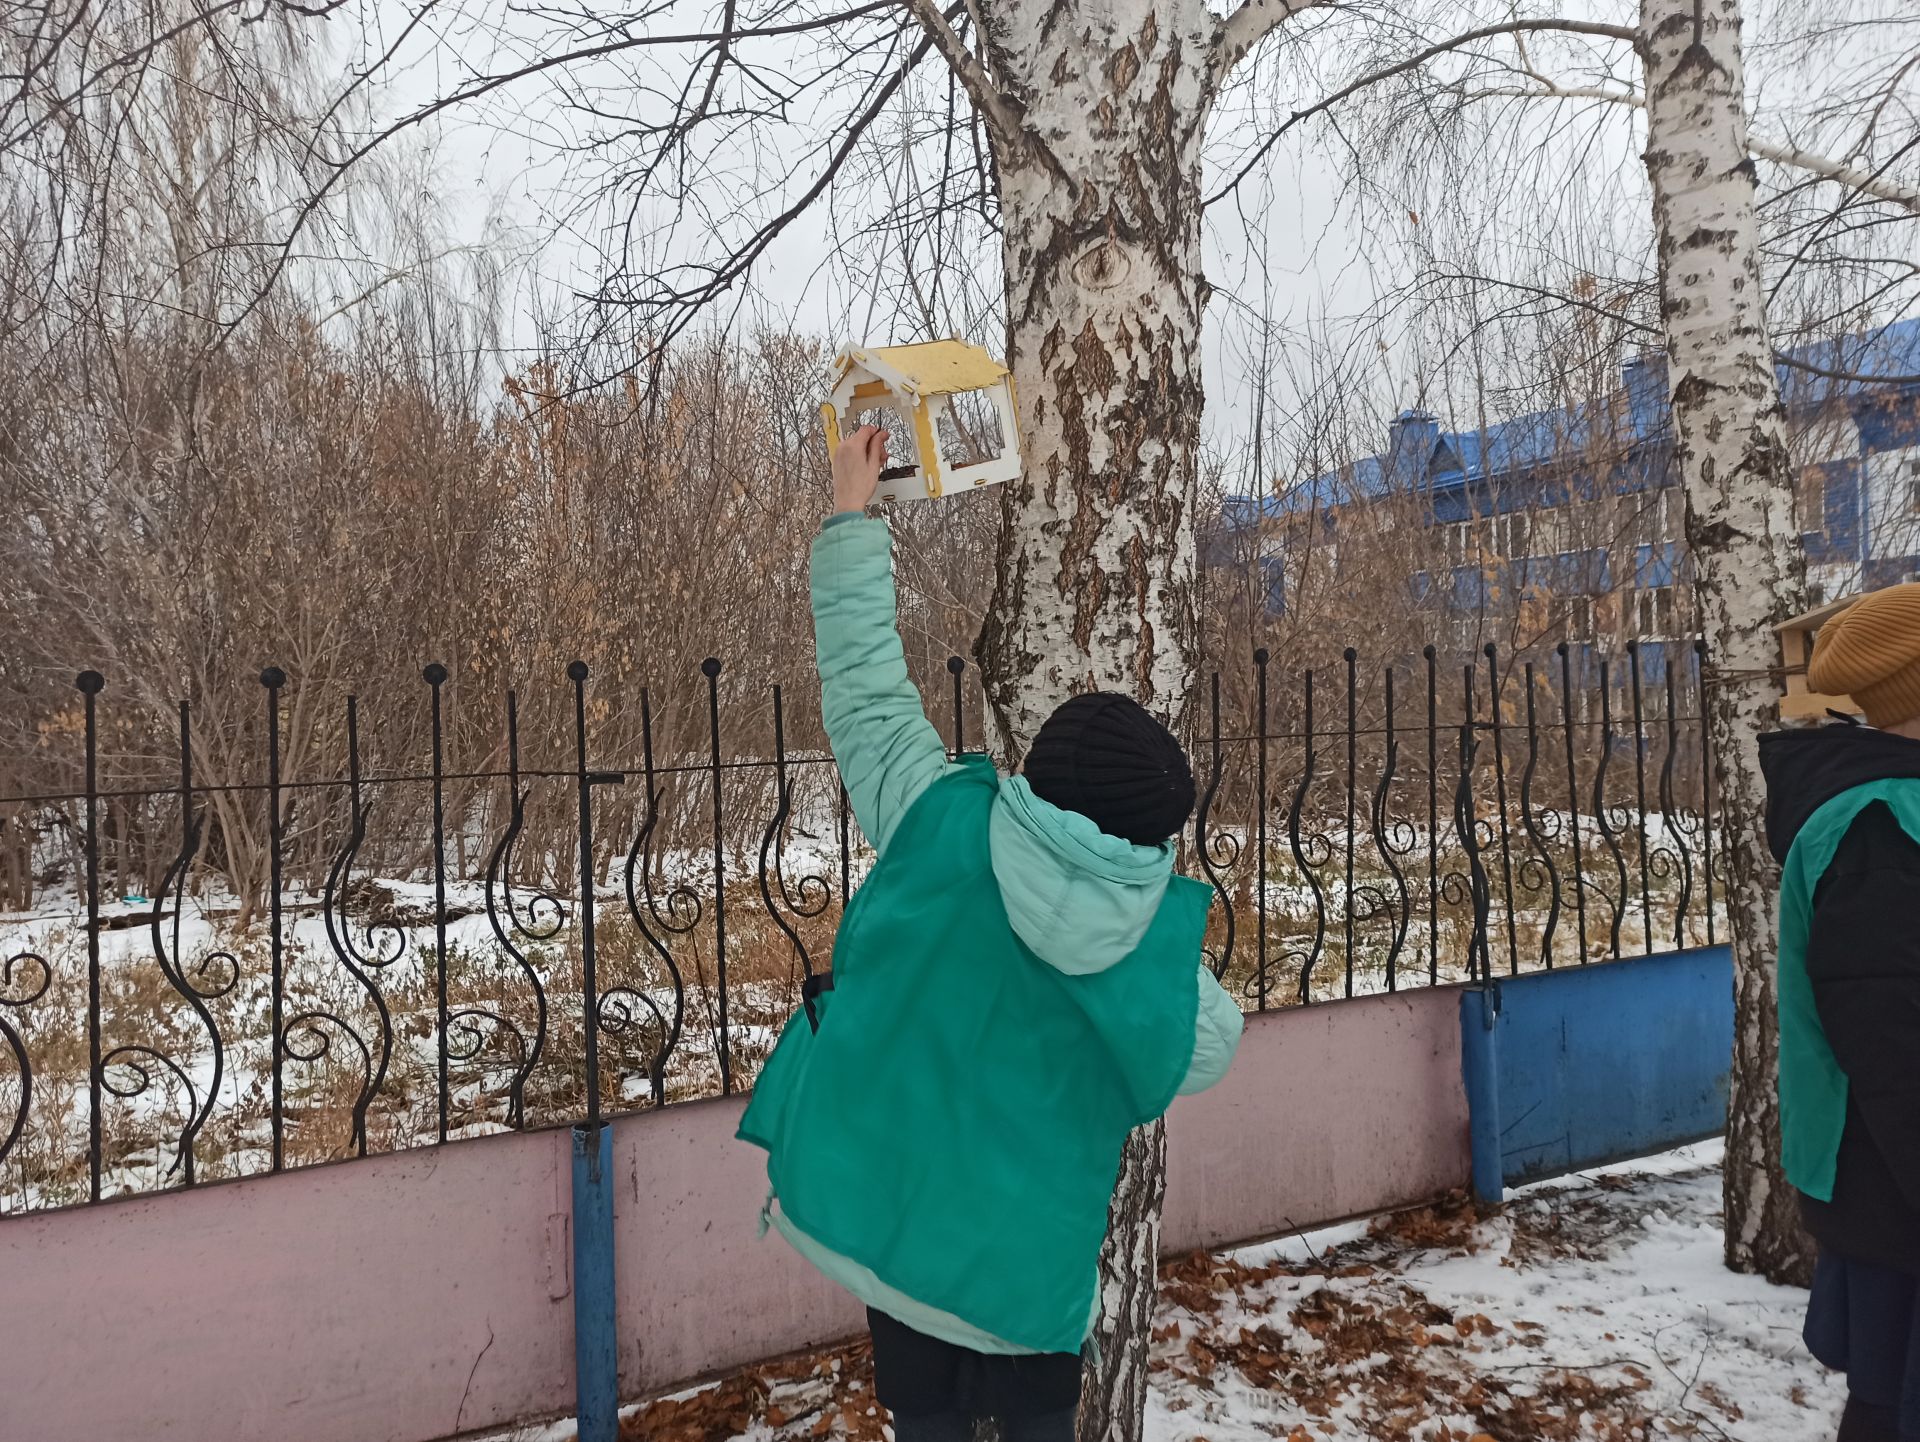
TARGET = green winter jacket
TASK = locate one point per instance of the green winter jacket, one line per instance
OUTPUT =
(1080, 901)
(1813, 1088)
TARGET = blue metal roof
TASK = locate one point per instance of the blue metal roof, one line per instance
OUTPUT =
(1889, 355)
(1456, 460)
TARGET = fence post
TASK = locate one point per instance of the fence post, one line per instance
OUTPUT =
(596, 1354)
(596, 1357)
(1480, 1068)
(90, 684)
(273, 678)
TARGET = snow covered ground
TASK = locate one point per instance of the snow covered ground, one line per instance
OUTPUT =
(1593, 1309)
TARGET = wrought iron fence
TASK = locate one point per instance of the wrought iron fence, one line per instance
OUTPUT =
(1421, 825)
(1503, 842)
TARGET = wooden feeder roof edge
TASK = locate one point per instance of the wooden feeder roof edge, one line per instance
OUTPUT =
(1818, 616)
(927, 368)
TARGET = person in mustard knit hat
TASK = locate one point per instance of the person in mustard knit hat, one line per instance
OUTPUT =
(1843, 818)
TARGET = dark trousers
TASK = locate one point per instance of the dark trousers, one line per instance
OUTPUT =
(1863, 1422)
(1864, 1319)
(939, 1392)
(954, 1427)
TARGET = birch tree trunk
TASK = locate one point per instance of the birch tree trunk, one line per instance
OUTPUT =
(1100, 214)
(1731, 451)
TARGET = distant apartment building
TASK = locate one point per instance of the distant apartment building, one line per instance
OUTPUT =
(1566, 524)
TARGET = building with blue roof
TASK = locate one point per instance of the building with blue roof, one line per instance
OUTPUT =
(1572, 517)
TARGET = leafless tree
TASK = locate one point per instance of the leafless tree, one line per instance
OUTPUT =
(1827, 242)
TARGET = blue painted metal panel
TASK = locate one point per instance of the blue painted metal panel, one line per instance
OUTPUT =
(1596, 1064)
(1654, 656)
(1480, 1072)
(1574, 573)
(1842, 505)
(595, 1350)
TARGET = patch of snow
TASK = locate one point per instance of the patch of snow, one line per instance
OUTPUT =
(1598, 1305)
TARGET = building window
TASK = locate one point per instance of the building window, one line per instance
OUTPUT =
(1517, 535)
(1673, 518)
(1651, 613)
(1550, 533)
(1456, 536)
(1893, 505)
(1652, 518)
(1810, 502)
(1507, 536)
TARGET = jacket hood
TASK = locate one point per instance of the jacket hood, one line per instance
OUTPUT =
(1079, 898)
(1805, 769)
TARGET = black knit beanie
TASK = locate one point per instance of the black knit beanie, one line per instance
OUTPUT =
(1103, 756)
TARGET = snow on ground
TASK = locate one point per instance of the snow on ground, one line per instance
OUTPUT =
(1594, 1309)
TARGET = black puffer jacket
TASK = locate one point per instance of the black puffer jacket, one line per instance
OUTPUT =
(1863, 957)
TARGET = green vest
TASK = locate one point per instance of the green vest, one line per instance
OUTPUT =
(1813, 1089)
(956, 1123)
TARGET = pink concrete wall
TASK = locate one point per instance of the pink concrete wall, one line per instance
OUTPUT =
(699, 1290)
(1329, 1112)
(395, 1299)
(407, 1297)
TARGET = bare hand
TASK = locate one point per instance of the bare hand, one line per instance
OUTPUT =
(857, 462)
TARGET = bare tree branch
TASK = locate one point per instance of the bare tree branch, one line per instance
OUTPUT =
(1000, 108)
(1793, 363)
(1867, 182)
(1248, 26)
(131, 58)
(723, 275)
(1414, 62)
(1652, 333)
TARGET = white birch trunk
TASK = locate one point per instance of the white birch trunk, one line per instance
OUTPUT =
(1100, 209)
(1731, 450)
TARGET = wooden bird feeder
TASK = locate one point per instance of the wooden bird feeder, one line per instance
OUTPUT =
(918, 383)
(1799, 702)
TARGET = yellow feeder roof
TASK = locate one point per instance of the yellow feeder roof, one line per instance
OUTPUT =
(1817, 617)
(935, 367)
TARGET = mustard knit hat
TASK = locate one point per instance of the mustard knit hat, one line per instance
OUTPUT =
(1871, 652)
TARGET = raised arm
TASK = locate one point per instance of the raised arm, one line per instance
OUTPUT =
(887, 750)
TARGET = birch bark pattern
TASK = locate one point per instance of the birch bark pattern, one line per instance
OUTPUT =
(1731, 452)
(1095, 587)
(1100, 213)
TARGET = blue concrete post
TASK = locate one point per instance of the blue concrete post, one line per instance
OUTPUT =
(596, 1355)
(1480, 1068)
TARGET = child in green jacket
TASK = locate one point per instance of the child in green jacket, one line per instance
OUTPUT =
(1017, 985)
